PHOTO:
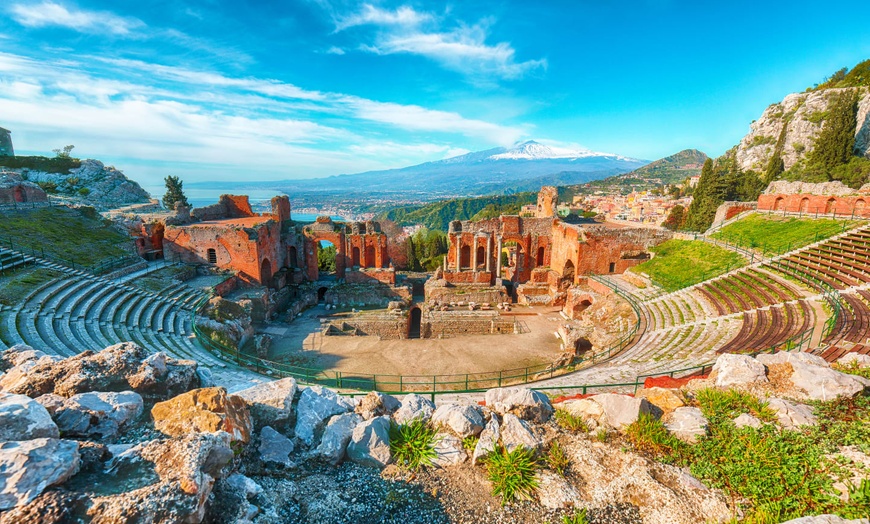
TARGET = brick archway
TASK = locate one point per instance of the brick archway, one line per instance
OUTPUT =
(312, 246)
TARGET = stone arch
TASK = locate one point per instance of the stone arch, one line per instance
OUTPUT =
(805, 205)
(539, 260)
(415, 319)
(292, 257)
(211, 255)
(582, 306)
(568, 272)
(321, 294)
(19, 194)
(266, 272)
(481, 256)
(371, 260)
(354, 256)
(465, 256)
(779, 204)
(312, 246)
(860, 206)
(830, 205)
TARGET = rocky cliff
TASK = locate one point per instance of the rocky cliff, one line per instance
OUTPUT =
(800, 116)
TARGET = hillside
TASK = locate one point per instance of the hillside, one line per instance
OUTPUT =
(438, 215)
(820, 135)
(674, 169)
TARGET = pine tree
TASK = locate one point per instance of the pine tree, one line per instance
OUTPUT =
(835, 144)
(174, 193)
(775, 168)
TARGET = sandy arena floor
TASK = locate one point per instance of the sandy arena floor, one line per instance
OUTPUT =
(303, 344)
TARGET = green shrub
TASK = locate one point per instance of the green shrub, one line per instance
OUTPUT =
(578, 517)
(48, 186)
(412, 444)
(601, 435)
(649, 435)
(724, 405)
(557, 459)
(512, 474)
(83, 191)
(470, 442)
(569, 422)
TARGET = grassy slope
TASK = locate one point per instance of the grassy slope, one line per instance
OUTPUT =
(682, 263)
(65, 234)
(776, 235)
(15, 286)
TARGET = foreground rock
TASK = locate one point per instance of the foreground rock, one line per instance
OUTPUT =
(525, 403)
(463, 420)
(97, 415)
(316, 406)
(22, 418)
(121, 367)
(414, 406)
(30, 466)
(608, 410)
(275, 448)
(736, 370)
(448, 450)
(370, 443)
(487, 442)
(337, 436)
(791, 415)
(204, 410)
(814, 378)
(687, 424)
(376, 404)
(516, 433)
(271, 404)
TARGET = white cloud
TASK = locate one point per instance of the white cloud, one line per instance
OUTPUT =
(462, 48)
(49, 13)
(335, 50)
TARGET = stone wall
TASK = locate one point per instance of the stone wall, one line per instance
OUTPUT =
(14, 190)
(368, 276)
(441, 293)
(548, 199)
(6, 143)
(228, 206)
(729, 210)
(810, 204)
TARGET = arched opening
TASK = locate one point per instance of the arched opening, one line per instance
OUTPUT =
(539, 260)
(211, 254)
(465, 257)
(805, 205)
(481, 256)
(370, 257)
(292, 256)
(829, 206)
(582, 306)
(266, 273)
(581, 346)
(414, 324)
(568, 274)
(326, 258)
(354, 255)
(321, 295)
(513, 260)
(860, 206)
(20, 195)
(779, 204)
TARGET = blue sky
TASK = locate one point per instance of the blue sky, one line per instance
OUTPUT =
(254, 90)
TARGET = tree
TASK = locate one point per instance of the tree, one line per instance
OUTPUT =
(775, 168)
(413, 260)
(64, 152)
(326, 259)
(835, 144)
(676, 218)
(174, 193)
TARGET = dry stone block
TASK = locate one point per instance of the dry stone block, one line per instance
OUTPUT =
(316, 406)
(370, 443)
(448, 450)
(791, 415)
(665, 399)
(336, 437)
(100, 415)
(555, 492)
(687, 424)
(376, 404)
(414, 406)
(275, 448)
(29, 466)
(737, 370)
(270, 403)
(204, 410)
(487, 442)
(516, 432)
(464, 420)
(621, 411)
(522, 402)
(814, 377)
(22, 418)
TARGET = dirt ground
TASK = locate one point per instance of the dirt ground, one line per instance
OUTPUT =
(301, 343)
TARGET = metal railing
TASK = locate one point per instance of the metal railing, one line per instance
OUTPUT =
(21, 252)
(767, 251)
(424, 384)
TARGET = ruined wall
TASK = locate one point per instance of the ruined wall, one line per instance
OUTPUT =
(228, 206)
(368, 276)
(548, 200)
(855, 205)
(729, 210)
(13, 191)
(6, 143)
(440, 294)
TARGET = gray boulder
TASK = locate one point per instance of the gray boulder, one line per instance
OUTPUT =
(620, 411)
(206, 379)
(336, 437)
(791, 415)
(370, 443)
(522, 402)
(414, 406)
(855, 359)
(29, 466)
(489, 438)
(275, 448)
(687, 424)
(22, 418)
(736, 370)
(464, 420)
(271, 403)
(745, 420)
(376, 404)
(814, 377)
(100, 415)
(826, 519)
(516, 432)
(316, 406)
(448, 450)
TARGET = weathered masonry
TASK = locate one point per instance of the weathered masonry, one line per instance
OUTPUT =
(6, 143)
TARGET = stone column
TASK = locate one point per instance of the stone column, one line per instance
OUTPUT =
(488, 253)
(498, 259)
(474, 255)
(458, 253)
(445, 263)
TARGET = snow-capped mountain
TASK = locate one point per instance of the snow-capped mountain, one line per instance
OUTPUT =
(532, 150)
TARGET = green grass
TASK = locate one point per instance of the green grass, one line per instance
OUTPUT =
(569, 422)
(512, 474)
(81, 237)
(557, 460)
(160, 279)
(776, 235)
(413, 444)
(17, 285)
(682, 263)
(776, 474)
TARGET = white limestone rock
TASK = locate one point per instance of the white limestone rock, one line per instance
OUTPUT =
(687, 424)
(448, 450)
(747, 420)
(826, 519)
(414, 406)
(271, 403)
(555, 492)
(28, 467)
(336, 437)
(370, 443)
(316, 406)
(586, 409)
(376, 404)
(738, 370)
(98, 414)
(855, 359)
(620, 411)
(522, 402)
(489, 437)
(22, 418)
(814, 377)
(275, 448)
(464, 420)
(791, 415)
(516, 432)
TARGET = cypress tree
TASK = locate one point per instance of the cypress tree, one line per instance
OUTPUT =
(413, 261)
(835, 144)
(174, 193)
(702, 198)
